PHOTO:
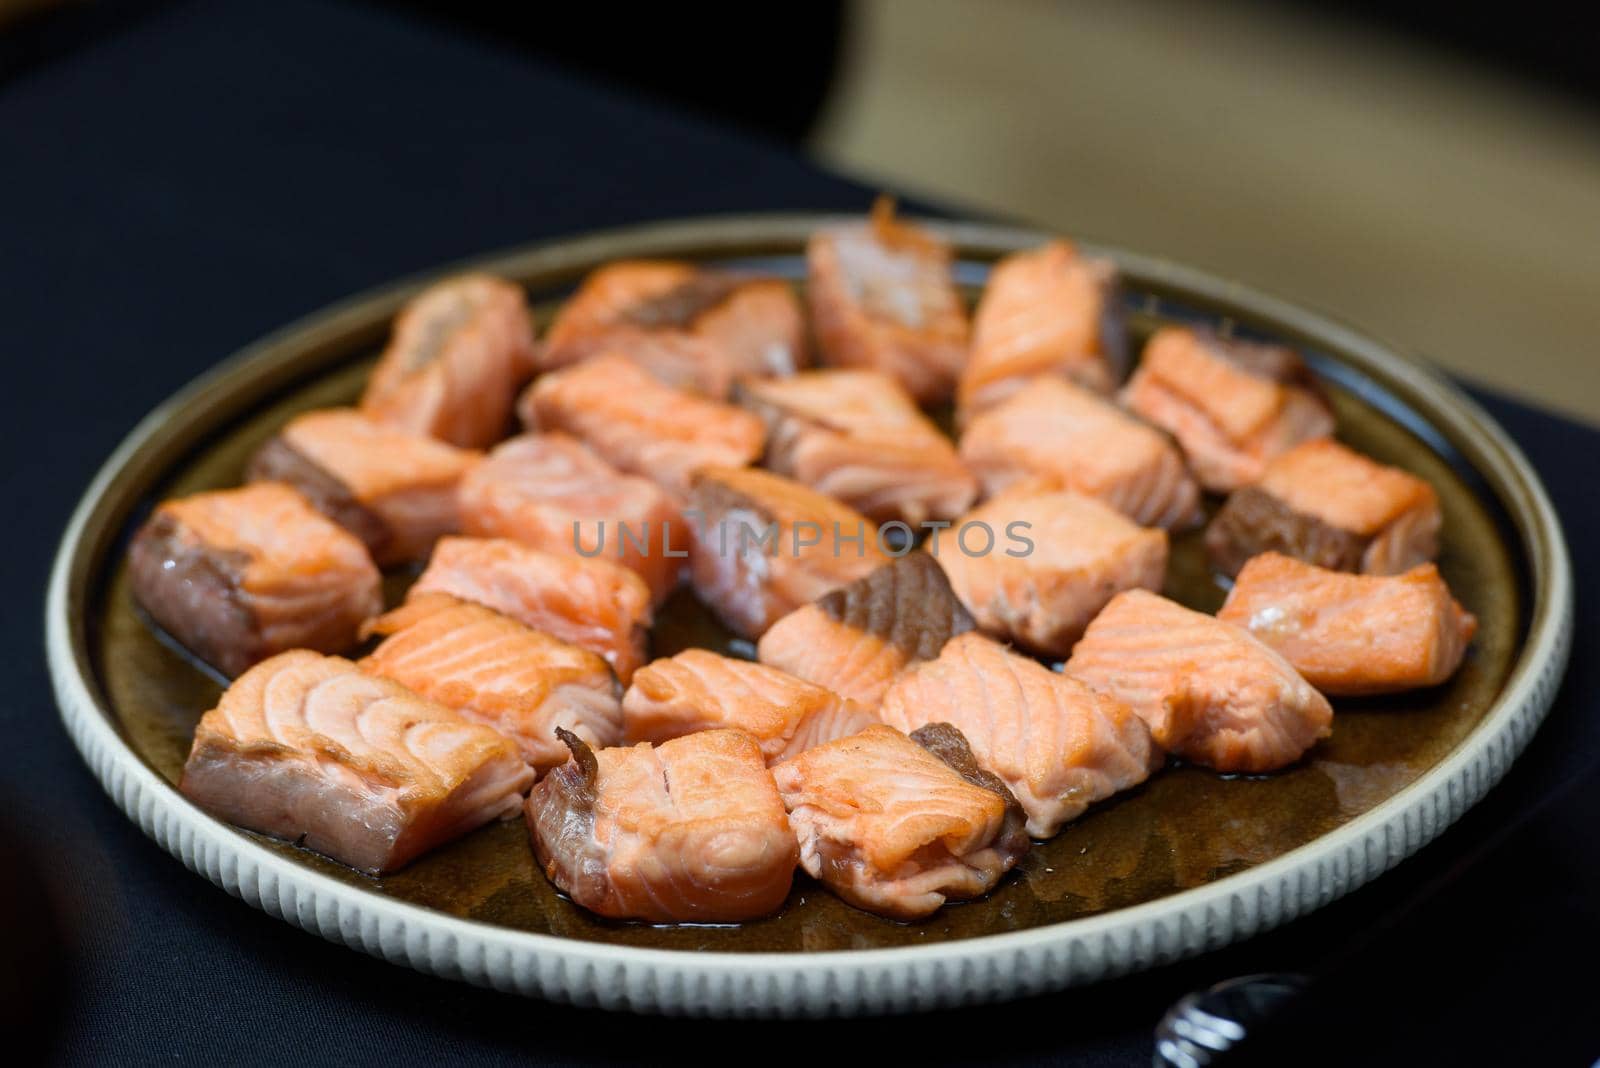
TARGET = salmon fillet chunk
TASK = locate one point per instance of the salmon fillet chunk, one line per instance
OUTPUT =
(896, 827)
(700, 690)
(689, 831)
(1353, 634)
(1331, 506)
(495, 671)
(1211, 692)
(393, 490)
(882, 297)
(309, 748)
(459, 352)
(1079, 553)
(238, 575)
(1221, 400)
(858, 436)
(1058, 434)
(554, 493)
(1057, 744)
(593, 604)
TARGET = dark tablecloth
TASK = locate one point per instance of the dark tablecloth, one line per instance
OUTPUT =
(198, 176)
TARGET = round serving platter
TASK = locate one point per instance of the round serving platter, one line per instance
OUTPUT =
(1189, 862)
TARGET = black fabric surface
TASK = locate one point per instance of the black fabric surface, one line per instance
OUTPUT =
(200, 176)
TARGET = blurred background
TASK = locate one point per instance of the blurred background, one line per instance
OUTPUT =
(1435, 181)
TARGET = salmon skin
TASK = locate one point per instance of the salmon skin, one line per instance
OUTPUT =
(857, 639)
(1047, 311)
(593, 604)
(1210, 691)
(640, 425)
(857, 436)
(1353, 634)
(1330, 506)
(1223, 401)
(460, 351)
(690, 831)
(495, 671)
(309, 748)
(238, 575)
(882, 298)
(1058, 434)
(554, 493)
(1057, 744)
(676, 316)
(1079, 554)
(898, 828)
(699, 690)
(767, 545)
(393, 490)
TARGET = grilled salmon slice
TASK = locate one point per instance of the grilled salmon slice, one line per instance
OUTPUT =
(238, 575)
(896, 827)
(690, 831)
(1211, 692)
(857, 639)
(309, 748)
(1353, 634)
(699, 690)
(1078, 553)
(593, 604)
(1331, 506)
(1058, 434)
(642, 425)
(393, 490)
(458, 354)
(1213, 396)
(765, 545)
(858, 436)
(1057, 744)
(554, 493)
(495, 671)
(1047, 311)
(882, 298)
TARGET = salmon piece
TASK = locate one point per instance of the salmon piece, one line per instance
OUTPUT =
(1047, 311)
(1079, 554)
(699, 690)
(1058, 434)
(897, 829)
(689, 831)
(238, 575)
(593, 604)
(393, 490)
(641, 425)
(552, 492)
(1353, 634)
(882, 297)
(1210, 691)
(857, 639)
(1331, 506)
(1057, 744)
(765, 545)
(309, 748)
(495, 671)
(1230, 419)
(857, 436)
(458, 354)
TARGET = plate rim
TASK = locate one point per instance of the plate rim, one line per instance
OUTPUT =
(983, 968)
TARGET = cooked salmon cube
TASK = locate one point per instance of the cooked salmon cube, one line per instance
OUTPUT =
(311, 749)
(238, 575)
(1331, 506)
(1211, 692)
(689, 831)
(1353, 634)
